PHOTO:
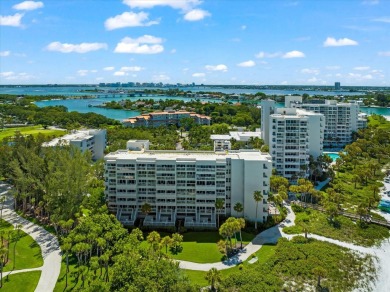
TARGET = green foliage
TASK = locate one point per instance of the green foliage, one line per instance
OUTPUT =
(26, 282)
(346, 230)
(295, 264)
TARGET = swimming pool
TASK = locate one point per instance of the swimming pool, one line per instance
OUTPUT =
(333, 155)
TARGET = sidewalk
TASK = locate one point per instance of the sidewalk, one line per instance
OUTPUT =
(51, 251)
(270, 235)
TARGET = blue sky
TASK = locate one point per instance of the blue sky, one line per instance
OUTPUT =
(183, 41)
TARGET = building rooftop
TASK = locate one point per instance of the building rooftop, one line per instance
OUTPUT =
(65, 140)
(189, 155)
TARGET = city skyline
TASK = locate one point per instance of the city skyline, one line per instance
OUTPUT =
(185, 41)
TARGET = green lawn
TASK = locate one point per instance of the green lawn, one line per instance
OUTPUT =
(21, 282)
(201, 247)
(346, 229)
(61, 282)
(263, 254)
(31, 130)
(28, 253)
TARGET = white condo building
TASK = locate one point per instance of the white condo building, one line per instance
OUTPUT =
(223, 142)
(293, 135)
(341, 119)
(92, 140)
(184, 186)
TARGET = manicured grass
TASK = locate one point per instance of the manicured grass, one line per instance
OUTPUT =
(345, 229)
(201, 247)
(379, 122)
(263, 255)
(21, 282)
(31, 130)
(61, 282)
(28, 253)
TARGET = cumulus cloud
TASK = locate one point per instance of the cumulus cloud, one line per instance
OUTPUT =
(220, 67)
(119, 73)
(185, 5)
(75, 48)
(7, 74)
(110, 68)
(146, 44)
(249, 63)
(132, 69)
(198, 75)
(384, 54)
(362, 68)
(82, 72)
(310, 71)
(196, 14)
(261, 55)
(129, 19)
(332, 42)
(5, 53)
(11, 20)
(28, 5)
(358, 76)
(10, 75)
(293, 54)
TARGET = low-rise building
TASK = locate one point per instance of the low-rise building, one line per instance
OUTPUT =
(93, 140)
(165, 118)
(223, 142)
(182, 186)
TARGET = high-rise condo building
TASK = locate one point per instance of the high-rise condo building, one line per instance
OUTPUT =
(337, 86)
(182, 187)
(294, 135)
(342, 119)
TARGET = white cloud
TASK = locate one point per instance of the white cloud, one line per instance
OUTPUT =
(220, 67)
(160, 78)
(332, 67)
(362, 68)
(384, 54)
(249, 63)
(198, 75)
(75, 48)
(243, 27)
(293, 54)
(140, 45)
(28, 5)
(5, 53)
(129, 19)
(261, 55)
(11, 20)
(82, 72)
(332, 42)
(370, 2)
(120, 73)
(132, 69)
(184, 5)
(382, 19)
(7, 74)
(358, 76)
(108, 68)
(310, 71)
(173, 51)
(196, 14)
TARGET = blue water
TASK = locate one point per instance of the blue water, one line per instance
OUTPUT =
(81, 105)
(334, 156)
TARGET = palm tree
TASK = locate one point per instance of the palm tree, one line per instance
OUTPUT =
(146, 208)
(257, 196)
(320, 273)
(241, 221)
(219, 204)
(16, 239)
(166, 241)
(3, 253)
(2, 201)
(66, 247)
(238, 207)
(213, 276)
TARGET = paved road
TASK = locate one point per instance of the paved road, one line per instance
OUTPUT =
(51, 252)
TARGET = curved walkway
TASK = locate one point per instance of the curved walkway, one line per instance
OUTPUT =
(270, 235)
(50, 248)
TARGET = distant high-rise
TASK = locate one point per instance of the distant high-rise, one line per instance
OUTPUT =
(337, 86)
